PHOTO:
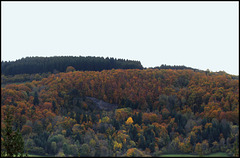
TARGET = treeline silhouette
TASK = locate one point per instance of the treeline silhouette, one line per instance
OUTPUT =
(31, 65)
(176, 67)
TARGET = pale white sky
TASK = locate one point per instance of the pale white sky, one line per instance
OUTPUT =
(203, 35)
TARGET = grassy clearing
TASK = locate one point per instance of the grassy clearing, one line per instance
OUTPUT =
(178, 155)
(219, 154)
(30, 155)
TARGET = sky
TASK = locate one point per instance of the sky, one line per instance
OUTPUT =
(202, 35)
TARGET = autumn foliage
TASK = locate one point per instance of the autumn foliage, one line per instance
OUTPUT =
(157, 110)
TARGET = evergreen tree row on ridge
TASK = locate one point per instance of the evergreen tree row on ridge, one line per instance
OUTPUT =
(31, 65)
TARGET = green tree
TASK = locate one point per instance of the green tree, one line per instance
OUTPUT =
(73, 150)
(12, 144)
(236, 149)
(54, 147)
(198, 149)
(54, 107)
(98, 150)
(65, 148)
(152, 147)
(84, 150)
(142, 142)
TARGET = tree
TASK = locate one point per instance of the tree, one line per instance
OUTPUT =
(35, 100)
(54, 147)
(70, 69)
(205, 147)
(26, 129)
(236, 148)
(142, 142)
(23, 112)
(198, 149)
(84, 150)
(133, 152)
(54, 107)
(66, 149)
(139, 118)
(215, 147)
(73, 150)
(98, 150)
(38, 127)
(12, 143)
(152, 147)
(129, 121)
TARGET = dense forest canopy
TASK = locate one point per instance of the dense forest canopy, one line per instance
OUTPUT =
(31, 65)
(175, 67)
(132, 112)
(36, 68)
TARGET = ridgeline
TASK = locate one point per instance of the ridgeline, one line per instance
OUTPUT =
(32, 65)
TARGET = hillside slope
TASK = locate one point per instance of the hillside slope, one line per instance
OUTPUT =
(154, 111)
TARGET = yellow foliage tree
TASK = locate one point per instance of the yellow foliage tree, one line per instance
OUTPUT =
(105, 119)
(134, 152)
(92, 143)
(117, 146)
(129, 121)
(198, 149)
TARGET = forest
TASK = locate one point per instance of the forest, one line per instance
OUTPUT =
(121, 109)
(36, 68)
(31, 65)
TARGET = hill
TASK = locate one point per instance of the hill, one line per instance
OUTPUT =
(112, 112)
(37, 68)
(175, 67)
(31, 65)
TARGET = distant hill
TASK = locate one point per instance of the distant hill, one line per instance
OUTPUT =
(182, 67)
(175, 67)
(31, 65)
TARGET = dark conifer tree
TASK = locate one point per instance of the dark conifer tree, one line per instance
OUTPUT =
(12, 144)
(36, 100)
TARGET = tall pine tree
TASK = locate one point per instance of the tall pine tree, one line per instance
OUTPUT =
(35, 100)
(12, 144)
